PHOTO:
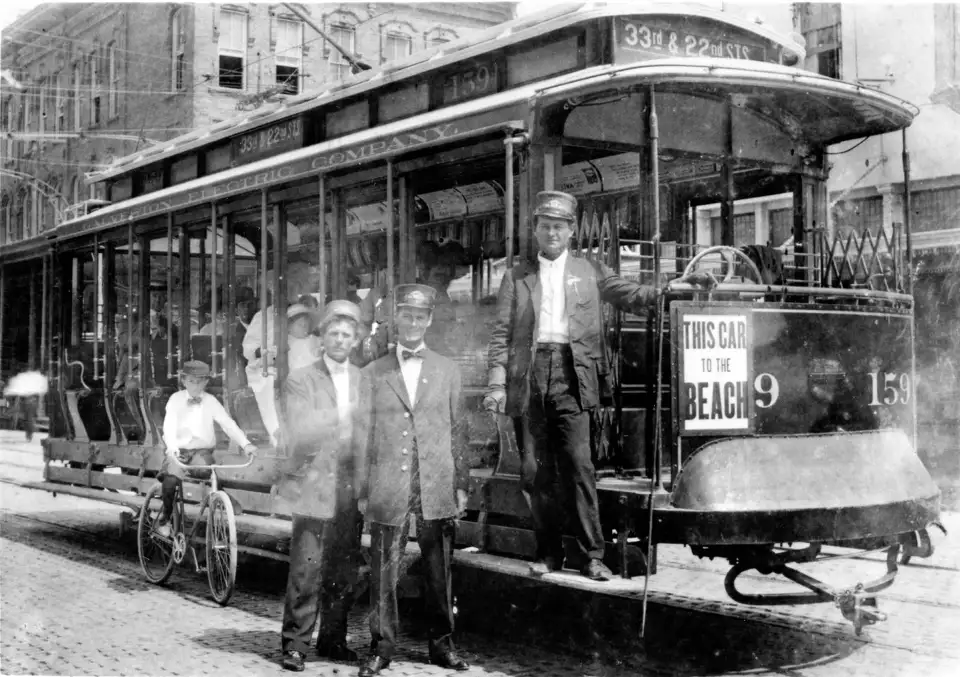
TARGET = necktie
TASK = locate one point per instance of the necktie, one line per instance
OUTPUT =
(194, 400)
(410, 354)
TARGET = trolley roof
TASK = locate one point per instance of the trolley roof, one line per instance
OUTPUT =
(820, 109)
(503, 35)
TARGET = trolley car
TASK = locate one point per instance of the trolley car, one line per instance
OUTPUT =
(776, 409)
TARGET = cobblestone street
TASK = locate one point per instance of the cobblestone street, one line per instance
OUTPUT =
(74, 601)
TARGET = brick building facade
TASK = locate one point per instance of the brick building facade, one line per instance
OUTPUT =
(103, 80)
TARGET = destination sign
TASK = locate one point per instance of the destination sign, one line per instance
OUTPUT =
(661, 37)
(260, 143)
(714, 391)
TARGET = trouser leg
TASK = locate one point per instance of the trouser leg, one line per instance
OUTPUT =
(548, 513)
(301, 605)
(168, 489)
(341, 544)
(435, 538)
(578, 481)
(29, 405)
(386, 549)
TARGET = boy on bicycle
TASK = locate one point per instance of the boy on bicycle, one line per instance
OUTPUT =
(188, 433)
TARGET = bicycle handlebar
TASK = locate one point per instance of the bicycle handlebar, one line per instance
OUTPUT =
(213, 466)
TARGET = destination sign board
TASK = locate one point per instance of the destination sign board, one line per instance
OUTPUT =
(648, 37)
(278, 138)
(714, 348)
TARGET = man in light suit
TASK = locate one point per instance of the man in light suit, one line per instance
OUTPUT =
(548, 336)
(326, 413)
(416, 471)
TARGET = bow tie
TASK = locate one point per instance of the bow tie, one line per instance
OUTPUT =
(194, 400)
(410, 354)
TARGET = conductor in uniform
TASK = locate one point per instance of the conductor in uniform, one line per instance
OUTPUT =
(326, 412)
(416, 472)
(548, 336)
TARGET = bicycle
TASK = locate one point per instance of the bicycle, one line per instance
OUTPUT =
(158, 554)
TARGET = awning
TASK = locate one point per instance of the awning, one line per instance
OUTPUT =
(819, 110)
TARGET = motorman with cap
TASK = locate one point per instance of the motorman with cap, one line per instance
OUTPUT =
(188, 433)
(326, 412)
(548, 336)
(416, 472)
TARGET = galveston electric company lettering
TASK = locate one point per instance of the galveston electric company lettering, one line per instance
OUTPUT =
(274, 175)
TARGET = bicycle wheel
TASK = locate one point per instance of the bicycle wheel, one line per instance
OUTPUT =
(155, 551)
(221, 547)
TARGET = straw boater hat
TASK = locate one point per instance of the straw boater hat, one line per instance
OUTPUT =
(295, 310)
(195, 368)
(339, 308)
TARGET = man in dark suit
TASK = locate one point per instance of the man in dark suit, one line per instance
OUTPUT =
(548, 336)
(416, 470)
(326, 415)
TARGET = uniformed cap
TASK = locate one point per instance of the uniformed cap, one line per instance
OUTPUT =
(195, 368)
(415, 296)
(557, 205)
(340, 308)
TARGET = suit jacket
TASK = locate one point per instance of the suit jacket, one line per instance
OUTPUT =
(320, 463)
(432, 423)
(513, 337)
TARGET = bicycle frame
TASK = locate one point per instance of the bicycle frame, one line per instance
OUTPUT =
(180, 506)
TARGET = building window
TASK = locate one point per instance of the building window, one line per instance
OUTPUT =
(935, 209)
(819, 23)
(232, 48)
(178, 63)
(8, 126)
(60, 123)
(42, 117)
(77, 84)
(397, 46)
(289, 55)
(346, 37)
(27, 113)
(113, 95)
(75, 191)
(94, 89)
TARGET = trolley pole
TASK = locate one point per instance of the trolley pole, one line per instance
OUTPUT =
(905, 156)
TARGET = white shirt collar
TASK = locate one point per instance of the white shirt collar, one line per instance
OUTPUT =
(335, 367)
(559, 262)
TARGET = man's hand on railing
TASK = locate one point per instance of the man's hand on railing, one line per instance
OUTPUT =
(250, 450)
(699, 278)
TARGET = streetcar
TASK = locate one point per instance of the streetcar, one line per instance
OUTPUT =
(765, 421)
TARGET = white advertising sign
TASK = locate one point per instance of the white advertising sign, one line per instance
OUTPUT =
(714, 393)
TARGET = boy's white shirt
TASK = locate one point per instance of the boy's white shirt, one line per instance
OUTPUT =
(190, 426)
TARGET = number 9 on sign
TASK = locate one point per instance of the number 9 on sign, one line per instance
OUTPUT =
(768, 388)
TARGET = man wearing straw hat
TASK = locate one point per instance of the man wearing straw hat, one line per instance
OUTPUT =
(549, 337)
(416, 471)
(325, 410)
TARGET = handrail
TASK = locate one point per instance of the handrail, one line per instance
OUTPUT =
(871, 294)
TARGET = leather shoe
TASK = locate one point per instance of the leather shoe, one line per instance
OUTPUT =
(373, 666)
(546, 565)
(596, 570)
(449, 660)
(293, 660)
(337, 651)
